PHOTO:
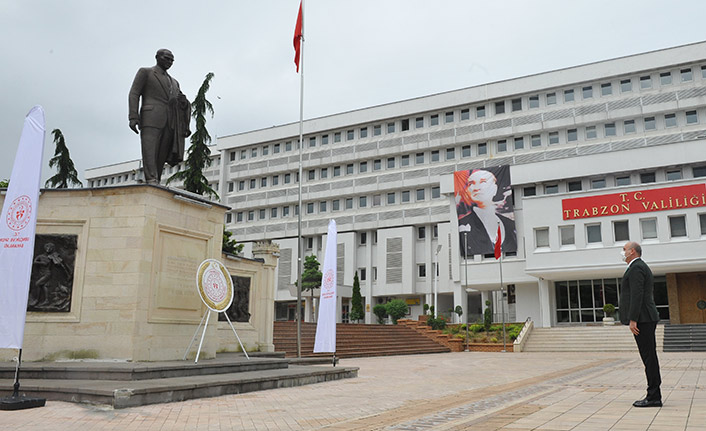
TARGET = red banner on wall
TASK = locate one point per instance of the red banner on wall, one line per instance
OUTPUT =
(640, 201)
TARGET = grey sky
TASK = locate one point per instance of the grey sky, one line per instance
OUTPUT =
(78, 58)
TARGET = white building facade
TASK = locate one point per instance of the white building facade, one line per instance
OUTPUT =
(632, 128)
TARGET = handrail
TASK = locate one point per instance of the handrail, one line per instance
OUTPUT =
(521, 339)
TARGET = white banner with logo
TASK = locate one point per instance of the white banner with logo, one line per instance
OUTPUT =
(17, 227)
(326, 325)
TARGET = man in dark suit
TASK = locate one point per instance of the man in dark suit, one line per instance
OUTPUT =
(638, 309)
(163, 116)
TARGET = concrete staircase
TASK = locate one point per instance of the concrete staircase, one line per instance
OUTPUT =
(685, 338)
(586, 339)
(356, 340)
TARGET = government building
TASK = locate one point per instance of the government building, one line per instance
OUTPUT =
(598, 155)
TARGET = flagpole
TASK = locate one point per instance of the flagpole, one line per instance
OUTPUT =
(300, 242)
(502, 293)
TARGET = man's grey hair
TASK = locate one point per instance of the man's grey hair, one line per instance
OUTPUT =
(635, 246)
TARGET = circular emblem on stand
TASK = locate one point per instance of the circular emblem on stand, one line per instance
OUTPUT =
(328, 280)
(215, 285)
(701, 305)
(19, 214)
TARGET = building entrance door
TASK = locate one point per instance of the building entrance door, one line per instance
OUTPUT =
(691, 289)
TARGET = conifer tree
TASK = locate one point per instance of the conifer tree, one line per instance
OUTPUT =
(66, 172)
(356, 300)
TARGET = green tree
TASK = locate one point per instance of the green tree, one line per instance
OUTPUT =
(66, 172)
(380, 311)
(311, 277)
(356, 300)
(198, 155)
(396, 309)
(229, 244)
(487, 316)
(4, 184)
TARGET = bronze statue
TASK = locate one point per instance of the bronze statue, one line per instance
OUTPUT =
(162, 119)
(52, 274)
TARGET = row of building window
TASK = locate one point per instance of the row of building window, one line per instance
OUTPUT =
(621, 231)
(645, 82)
(391, 198)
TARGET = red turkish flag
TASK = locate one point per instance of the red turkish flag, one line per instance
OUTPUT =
(298, 37)
(498, 245)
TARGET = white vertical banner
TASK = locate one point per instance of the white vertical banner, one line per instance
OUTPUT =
(326, 325)
(17, 227)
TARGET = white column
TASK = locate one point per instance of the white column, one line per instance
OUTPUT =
(545, 311)
(460, 298)
(369, 279)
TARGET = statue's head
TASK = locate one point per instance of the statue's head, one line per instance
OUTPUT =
(165, 58)
(49, 247)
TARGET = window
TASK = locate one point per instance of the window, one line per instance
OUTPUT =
(391, 127)
(239, 217)
(482, 149)
(421, 270)
(575, 186)
(322, 206)
(312, 141)
(312, 174)
(335, 205)
(434, 120)
(516, 105)
(677, 226)
(377, 130)
(251, 215)
(435, 192)
(702, 222)
(645, 82)
(349, 203)
(349, 169)
(598, 183)
(287, 178)
(541, 237)
(435, 231)
(377, 164)
(449, 117)
(670, 120)
(362, 202)
(466, 151)
(519, 143)
(665, 78)
(606, 89)
(309, 243)
(673, 175)
(622, 181)
(262, 214)
(229, 218)
(419, 122)
(350, 135)
(465, 114)
(621, 231)
(691, 117)
(529, 191)
(363, 167)
(420, 195)
(587, 92)
(253, 152)
(568, 95)
(647, 177)
(502, 146)
(405, 196)
(404, 125)
(648, 226)
(337, 137)
(703, 71)
(534, 102)
(390, 162)
(553, 138)
(421, 232)
(232, 156)
(275, 180)
(551, 189)
(231, 186)
(566, 235)
(404, 160)
(536, 140)
(450, 153)
(610, 129)
(273, 212)
(252, 183)
(500, 107)
(650, 123)
(625, 85)
(572, 135)
(376, 200)
(593, 233)
(363, 132)
(591, 132)
(551, 98)
(686, 75)
(435, 156)
(363, 274)
(419, 159)
(263, 182)
(628, 126)
(336, 171)
(288, 146)
(310, 208)
(285, 211)
(390, 198)
(480, 112)
(324, 140)
(699, 171)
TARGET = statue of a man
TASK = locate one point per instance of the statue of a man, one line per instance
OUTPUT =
(162, 119)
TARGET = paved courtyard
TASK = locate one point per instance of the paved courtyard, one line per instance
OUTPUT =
(450, 391)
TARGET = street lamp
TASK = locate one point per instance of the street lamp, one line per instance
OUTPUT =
(436, 280)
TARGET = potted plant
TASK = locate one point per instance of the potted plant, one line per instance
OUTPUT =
(609, 310)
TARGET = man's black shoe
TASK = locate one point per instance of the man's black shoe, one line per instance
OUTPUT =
(647, 403)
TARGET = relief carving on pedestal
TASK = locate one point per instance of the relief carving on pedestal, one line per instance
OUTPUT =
(51, 282)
